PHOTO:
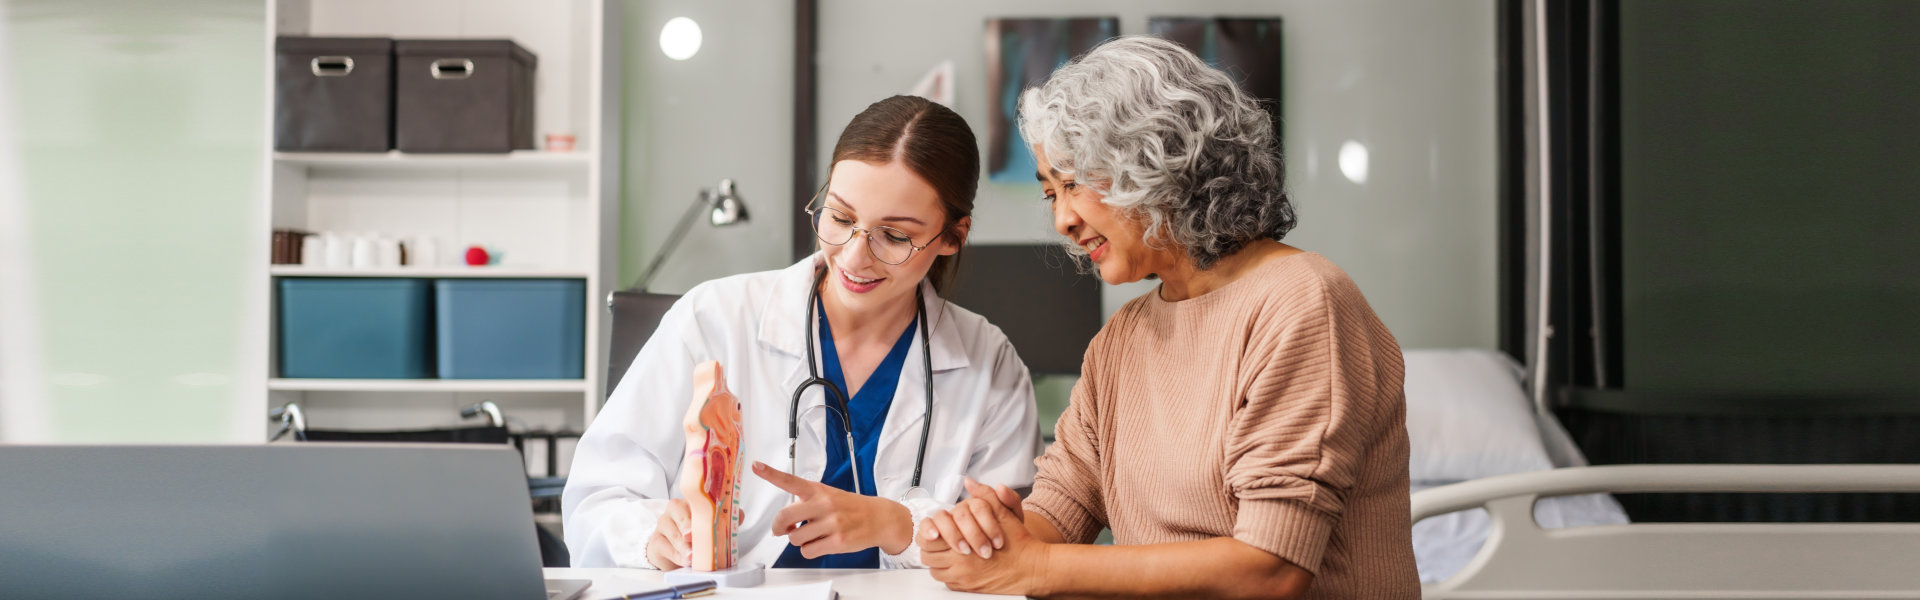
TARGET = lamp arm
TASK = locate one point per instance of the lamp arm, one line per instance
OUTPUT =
(673, 241)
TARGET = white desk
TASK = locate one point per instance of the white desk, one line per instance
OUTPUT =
(852, 584)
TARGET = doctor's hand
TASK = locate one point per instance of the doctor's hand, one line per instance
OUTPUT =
(827, 520)
(1014, 568)
(672, 544)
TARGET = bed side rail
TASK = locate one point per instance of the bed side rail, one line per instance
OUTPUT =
(1691, 560)
(1668, 478)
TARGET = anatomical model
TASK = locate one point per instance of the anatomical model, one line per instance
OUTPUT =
(710, 474)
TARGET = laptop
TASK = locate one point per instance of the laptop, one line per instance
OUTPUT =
(314, 520)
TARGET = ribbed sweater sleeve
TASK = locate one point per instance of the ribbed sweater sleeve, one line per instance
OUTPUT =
(1067, 491)
(1309, 414)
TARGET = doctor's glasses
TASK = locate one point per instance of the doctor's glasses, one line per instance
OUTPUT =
(836, 228)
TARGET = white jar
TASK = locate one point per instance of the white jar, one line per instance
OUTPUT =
(339, 251)
(386, 252)
(365, 255)
(423, 252)
(313, 250)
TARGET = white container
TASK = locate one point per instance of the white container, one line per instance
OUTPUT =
(365, 255)
(339, 251)
(313, 251)
(423, 252)
(386, 252)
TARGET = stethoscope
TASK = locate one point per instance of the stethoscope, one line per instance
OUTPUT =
(837, 398)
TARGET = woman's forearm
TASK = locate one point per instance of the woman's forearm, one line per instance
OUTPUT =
(1042, 529)
(1218, 568)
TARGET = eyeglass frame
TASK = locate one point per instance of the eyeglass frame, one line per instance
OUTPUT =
(820, 198)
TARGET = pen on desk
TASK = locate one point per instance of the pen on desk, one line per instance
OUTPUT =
(674, 592)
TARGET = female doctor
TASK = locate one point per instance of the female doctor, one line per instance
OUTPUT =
(862, 316)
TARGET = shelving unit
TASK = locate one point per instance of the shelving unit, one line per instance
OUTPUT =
(550, 214)
(517, 160)
(428, 385)
(441, 272)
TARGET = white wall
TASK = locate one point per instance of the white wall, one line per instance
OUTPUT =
(22, 405)
(138, 138)
(725, 113)
(1412, 81)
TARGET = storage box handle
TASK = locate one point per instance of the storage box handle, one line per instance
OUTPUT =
(451, 68)
(331, 66)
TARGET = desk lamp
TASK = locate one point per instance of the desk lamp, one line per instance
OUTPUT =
(723, 208)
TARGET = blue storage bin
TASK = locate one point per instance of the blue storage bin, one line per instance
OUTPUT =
(511, 328)
(356, 328)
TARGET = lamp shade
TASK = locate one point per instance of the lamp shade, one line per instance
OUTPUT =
(727, 207)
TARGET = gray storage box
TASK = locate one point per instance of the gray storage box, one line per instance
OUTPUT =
(333, 94)
(463, 96)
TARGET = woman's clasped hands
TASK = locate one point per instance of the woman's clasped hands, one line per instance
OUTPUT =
(983, 544)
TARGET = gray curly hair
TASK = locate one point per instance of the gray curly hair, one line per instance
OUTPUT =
(1176, 142)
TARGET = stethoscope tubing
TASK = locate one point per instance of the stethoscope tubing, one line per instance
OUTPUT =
(837, 398)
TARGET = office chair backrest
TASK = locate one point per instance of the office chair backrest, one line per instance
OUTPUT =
(267, 521)
(635, 315)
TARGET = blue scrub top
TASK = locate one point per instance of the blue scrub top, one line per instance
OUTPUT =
(869, 408)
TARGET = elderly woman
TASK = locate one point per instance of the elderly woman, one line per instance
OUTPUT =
(1240, 429)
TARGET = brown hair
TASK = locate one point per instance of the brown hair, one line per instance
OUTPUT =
(934, 143)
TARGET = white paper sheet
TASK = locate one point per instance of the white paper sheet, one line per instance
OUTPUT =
(819, 590)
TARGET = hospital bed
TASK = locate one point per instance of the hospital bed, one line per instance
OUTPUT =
(1469, 418)
(1504, 506)
(1522, 559)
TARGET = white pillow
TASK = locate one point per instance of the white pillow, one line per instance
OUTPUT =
(1468, 417)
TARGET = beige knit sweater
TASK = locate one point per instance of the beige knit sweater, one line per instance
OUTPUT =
(1269, 410)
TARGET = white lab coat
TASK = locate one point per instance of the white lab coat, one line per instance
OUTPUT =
(628, 462)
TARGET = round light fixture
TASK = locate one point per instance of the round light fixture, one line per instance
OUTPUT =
(1353, 161)
(680, 38)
